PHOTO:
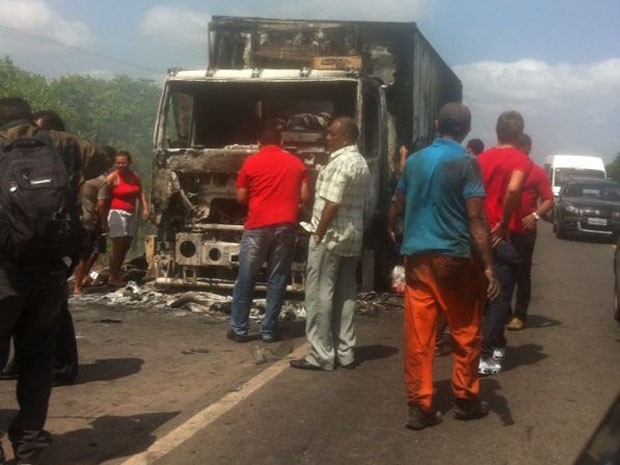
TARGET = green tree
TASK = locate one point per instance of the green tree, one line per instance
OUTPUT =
(120, 111)
(613, 169)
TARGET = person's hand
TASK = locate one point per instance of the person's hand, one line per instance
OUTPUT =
(493, 286)
(145, 214)
(529, 222)
(498, 234)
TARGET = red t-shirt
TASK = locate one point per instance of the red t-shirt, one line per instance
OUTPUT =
(273, 178)
(497, 165)
(536, 186)
(125, 194)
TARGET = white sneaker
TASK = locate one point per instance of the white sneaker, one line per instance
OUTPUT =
(488, 366)
(499, 353)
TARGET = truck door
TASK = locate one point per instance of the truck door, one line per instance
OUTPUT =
(373, 143)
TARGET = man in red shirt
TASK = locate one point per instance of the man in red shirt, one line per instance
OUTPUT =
(273, 183)
(535, 187)
(504, 169)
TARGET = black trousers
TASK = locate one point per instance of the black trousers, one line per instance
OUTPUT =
(66, 358)
(507, 262)
(524, 243)
(30, 302)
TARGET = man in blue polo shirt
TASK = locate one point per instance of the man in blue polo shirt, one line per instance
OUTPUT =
(441, 191)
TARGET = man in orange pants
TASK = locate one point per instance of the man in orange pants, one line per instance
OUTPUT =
(441, 190)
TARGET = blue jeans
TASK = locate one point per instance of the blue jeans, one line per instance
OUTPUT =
(507, 264)
(276, 246)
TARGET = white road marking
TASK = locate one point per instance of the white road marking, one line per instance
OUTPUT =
(211, 413)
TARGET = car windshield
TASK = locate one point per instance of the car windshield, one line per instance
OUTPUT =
(599, 191)
(562, 174)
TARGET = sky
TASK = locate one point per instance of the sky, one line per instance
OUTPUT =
(555, 61)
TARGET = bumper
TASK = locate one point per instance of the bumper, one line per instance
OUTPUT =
(589, 225)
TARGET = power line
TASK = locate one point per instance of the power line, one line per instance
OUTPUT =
(81, 49)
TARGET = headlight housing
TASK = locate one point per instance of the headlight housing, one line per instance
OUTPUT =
(572, 209)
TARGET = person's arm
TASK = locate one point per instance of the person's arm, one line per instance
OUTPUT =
(330, 210)
(304, 194)
(511, 201)
(144, 205)
(481, 240)
(110, 180)
(396, 207)
(243, 195)
(102, 207)
(529, 221)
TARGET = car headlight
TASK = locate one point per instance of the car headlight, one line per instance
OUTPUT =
(572, 209)
(615, 215)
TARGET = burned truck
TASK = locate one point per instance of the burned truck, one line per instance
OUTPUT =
(300, 74)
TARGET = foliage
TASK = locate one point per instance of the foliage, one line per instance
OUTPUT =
(119, 111)
(613, 169)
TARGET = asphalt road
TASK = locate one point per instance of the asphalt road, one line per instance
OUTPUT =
(168, 388)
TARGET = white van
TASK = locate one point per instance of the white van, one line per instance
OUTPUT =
(560, 167)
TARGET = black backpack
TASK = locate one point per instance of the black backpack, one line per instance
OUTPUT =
(39, 216)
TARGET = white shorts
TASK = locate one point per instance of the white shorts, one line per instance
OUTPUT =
(122, 223)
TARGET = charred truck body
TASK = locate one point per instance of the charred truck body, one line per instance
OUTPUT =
(301, 74)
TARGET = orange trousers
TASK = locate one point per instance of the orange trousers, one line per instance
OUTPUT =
(456, 287)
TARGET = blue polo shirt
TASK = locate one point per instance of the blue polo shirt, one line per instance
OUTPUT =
(436, 182)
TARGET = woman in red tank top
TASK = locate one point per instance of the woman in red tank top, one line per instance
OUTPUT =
(125, 193)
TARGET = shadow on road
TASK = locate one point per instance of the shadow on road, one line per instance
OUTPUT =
(489, 391)
(590, 239)
(374, 352)
(110, 437)
(540, 321)
(108, 369)
(526, 354)
(443, 398)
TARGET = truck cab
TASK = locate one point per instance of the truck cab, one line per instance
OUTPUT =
(299, 75)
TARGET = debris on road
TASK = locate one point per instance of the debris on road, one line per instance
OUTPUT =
(145, 296)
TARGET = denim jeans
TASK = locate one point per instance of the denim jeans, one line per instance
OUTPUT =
(276, 246)
(507, 262)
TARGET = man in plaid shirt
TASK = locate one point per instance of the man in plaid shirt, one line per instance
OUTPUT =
(335, 246)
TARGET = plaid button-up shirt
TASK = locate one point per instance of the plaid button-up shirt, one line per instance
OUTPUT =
(345, 180)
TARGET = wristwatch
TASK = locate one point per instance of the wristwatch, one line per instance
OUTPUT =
(536, 216)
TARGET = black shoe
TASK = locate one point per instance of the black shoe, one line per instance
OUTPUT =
(465, 409)
(419, 419)
(237, 337)
(303, 364)
(9, 372)
(349, 366)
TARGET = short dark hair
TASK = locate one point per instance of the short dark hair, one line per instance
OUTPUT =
(270, 136)
(454, 120)
(13, 108)
(349, 128)
(110, 154)
(509, 127)
(50, 120)
(476, 146)
(124, 153)
(525, 141)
